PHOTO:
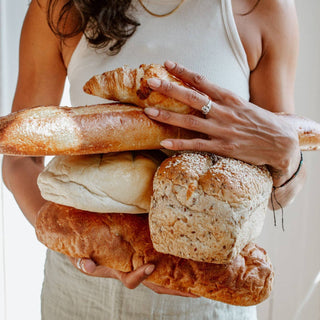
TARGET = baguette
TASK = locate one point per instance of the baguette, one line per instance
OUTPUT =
(308, 131)
(130, 86)
(41, 131)
(122, 242)
(51, 130)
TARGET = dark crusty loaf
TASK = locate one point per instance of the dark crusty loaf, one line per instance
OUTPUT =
(122, 242)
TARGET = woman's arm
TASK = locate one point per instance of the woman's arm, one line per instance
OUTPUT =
(42, 74)
(40, 82)
(276, 72)
(241, 129)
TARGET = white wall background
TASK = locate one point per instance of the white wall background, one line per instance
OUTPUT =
(21, 255)
(295, 253)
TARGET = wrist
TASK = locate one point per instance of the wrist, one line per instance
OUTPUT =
(283, 175)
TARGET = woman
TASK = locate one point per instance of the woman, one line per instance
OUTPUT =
(247, 47)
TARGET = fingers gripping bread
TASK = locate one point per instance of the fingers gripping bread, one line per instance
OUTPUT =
(122, 242)
(130, 86)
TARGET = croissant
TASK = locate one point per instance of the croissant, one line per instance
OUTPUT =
(130, 86)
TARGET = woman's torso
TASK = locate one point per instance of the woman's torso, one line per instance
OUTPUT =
(201, 35)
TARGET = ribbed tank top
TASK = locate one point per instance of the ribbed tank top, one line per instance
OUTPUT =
(201, 35)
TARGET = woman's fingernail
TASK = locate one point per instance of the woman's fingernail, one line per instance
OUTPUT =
(152, 112)
(154, 82)
(88, 266)
(169, 64)
(149, 270)
(166, 144)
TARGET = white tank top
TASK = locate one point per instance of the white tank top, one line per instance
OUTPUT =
(200, 35)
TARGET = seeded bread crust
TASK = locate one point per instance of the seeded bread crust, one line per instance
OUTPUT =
(207, 208)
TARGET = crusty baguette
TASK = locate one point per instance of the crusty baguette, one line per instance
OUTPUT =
(130, 86)
(308, 131)
(82, 130)
(122, 242)
(104, 128)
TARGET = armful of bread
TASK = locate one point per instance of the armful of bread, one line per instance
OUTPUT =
(122, 242)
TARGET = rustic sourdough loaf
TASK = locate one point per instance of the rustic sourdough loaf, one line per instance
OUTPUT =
(122, 242)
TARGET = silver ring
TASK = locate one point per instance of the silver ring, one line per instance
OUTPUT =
(206, 108)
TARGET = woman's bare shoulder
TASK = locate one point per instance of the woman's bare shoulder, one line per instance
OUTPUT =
(265, 25)
(278, 23)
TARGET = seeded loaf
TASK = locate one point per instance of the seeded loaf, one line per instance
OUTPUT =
(207, 208)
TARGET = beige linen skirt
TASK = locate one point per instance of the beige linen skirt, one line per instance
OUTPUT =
(68, 294)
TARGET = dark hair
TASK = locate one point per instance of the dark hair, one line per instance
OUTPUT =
(105, 23)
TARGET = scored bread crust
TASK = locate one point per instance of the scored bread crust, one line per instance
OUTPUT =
(130, 85)
(122, 242)
(92, 129)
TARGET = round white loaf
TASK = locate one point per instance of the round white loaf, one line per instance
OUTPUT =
(112, 182)
(207, 208)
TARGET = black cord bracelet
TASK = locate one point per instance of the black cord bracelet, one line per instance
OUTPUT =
(294, 175)
(273, 195)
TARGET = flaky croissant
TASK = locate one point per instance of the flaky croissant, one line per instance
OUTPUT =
(130, 86)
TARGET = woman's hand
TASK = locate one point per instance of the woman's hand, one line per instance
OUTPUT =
(129, 279)
(235, 127)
